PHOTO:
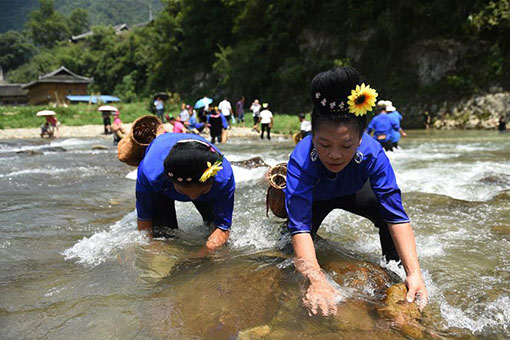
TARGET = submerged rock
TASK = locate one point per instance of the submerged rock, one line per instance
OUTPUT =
(405, 315)
(99, 147)
(503, 230)
(255, 162)
(30, 152)
(218, 301)
(53, 149)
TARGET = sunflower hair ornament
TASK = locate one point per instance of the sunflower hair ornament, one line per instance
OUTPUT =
(361, 100)
(212, 170)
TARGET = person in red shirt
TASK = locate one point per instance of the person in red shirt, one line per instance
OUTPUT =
(54, 124)
(176, 123)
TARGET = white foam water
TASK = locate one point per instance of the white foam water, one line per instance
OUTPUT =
(84, 170)
(103, 245)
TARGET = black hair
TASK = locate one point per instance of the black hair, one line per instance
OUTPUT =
(301, 116)
(188, 161)
(335, 85)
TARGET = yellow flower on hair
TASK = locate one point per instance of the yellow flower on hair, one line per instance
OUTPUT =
(362, 99)
(211, 170)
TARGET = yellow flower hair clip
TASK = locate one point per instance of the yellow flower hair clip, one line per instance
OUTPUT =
(211, 170)
(361, 100)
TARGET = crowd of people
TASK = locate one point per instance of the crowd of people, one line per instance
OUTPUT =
(216, 120)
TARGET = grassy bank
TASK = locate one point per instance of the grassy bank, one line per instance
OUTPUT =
(12, 117)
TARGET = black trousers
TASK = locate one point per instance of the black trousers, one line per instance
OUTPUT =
(165, 217)
(363, 203)
(265, 127)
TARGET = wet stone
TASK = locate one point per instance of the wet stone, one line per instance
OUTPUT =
(30, 152)
(53, 149)
(405, 315)
(255, 162)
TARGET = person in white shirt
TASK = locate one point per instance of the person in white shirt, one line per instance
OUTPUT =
(255, 108)
(226, 109)
(266, 121)
(306, 126)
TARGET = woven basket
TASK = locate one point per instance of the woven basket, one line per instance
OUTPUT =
(275, 198)
(131, 148)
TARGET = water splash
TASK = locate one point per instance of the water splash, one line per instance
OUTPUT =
(103, 245)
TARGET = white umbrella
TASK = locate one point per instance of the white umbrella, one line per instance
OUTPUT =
(107, 108)
(44, 113)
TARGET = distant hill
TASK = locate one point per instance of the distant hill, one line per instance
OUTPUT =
(13, 13)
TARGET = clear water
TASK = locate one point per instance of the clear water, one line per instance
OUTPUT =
(73, 264)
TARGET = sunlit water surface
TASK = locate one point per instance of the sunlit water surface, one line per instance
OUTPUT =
(73, 264)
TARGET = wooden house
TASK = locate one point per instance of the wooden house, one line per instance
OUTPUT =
(55, 86)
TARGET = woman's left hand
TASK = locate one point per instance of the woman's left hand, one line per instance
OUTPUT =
(416, 290)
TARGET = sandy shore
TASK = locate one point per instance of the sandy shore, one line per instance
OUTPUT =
(96, 131)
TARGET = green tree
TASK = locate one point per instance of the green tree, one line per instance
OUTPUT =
(46, 26)
(78, 21)
(15, 50)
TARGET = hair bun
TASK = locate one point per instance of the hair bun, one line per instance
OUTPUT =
(329, 90)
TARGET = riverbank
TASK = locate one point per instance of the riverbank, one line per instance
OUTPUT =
(91, 131)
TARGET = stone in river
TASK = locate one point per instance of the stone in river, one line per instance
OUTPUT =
(255, 162)
(29, 152)
(53, 149)
(99, 147)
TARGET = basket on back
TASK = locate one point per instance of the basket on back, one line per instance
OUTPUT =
(131, 148)
(275, 198)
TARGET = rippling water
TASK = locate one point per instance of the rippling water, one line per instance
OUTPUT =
(74, 265)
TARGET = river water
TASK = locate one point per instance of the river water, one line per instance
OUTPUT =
(73, 264)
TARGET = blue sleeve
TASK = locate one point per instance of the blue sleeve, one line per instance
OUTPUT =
(224, 121)
(223, 205)
(370, 127)
(395, 124)
(298, 198)
(384, 185)
(145, 196)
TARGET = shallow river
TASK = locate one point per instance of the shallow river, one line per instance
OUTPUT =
(73, 264)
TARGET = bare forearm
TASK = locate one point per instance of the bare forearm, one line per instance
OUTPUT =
(305, 259)
(405, 243)
(145, 226)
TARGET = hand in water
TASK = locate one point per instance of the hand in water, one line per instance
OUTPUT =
(416, 290)
(320, 298)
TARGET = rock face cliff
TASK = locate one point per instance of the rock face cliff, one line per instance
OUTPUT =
(477, 112)
(474, 112)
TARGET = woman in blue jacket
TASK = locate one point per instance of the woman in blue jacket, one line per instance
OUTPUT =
(184, 167)
(340, 167)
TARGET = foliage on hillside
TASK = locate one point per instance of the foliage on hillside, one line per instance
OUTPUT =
(14, 15)
(411, 51)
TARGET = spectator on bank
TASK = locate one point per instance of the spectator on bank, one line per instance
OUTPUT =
(266, 121)
(107, 123)
(240, 110)
(160, 108)
(185, 114)
(54, 124)
(217, 123)
(178, 127)
(255, 109)
(305, 126)
(117, 128)
(226, 110)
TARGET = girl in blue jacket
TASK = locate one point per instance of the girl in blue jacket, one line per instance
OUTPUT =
(340, 167)
(184, 167)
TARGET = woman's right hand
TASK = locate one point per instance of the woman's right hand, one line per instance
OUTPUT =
(320, 298)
